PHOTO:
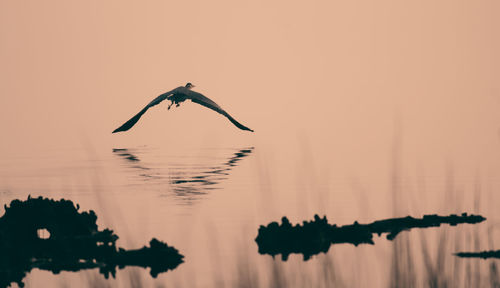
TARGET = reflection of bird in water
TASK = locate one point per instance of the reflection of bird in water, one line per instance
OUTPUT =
(178, 95)
(124, 153)
(187, 181)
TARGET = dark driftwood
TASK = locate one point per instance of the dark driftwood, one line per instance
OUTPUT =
(482, 254)
(75, 243)
(316, 236)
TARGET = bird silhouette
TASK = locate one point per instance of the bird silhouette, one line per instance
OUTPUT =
(178, 95)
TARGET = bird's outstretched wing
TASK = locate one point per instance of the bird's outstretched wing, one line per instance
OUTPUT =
(130, 123)
(205, 101)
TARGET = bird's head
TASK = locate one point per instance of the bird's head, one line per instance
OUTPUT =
(189, 85)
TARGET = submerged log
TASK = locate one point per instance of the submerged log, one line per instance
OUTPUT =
(73, 243)
(495, 254)
(316, 236)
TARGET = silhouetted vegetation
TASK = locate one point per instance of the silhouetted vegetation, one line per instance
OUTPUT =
(52, 235)
(316, 236)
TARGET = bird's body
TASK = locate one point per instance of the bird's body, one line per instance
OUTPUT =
(176, 96)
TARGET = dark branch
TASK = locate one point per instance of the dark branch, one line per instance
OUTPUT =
(316, 236)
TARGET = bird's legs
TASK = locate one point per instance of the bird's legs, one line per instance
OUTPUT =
(173, 101)
(176, 99)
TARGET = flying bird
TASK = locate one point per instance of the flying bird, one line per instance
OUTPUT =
(176, 96)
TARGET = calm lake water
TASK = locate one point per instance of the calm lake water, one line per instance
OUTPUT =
(209, 201)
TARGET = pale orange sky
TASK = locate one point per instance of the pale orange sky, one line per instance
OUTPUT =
(341, 72)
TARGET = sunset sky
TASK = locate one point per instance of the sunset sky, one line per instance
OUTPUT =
(331, 69)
